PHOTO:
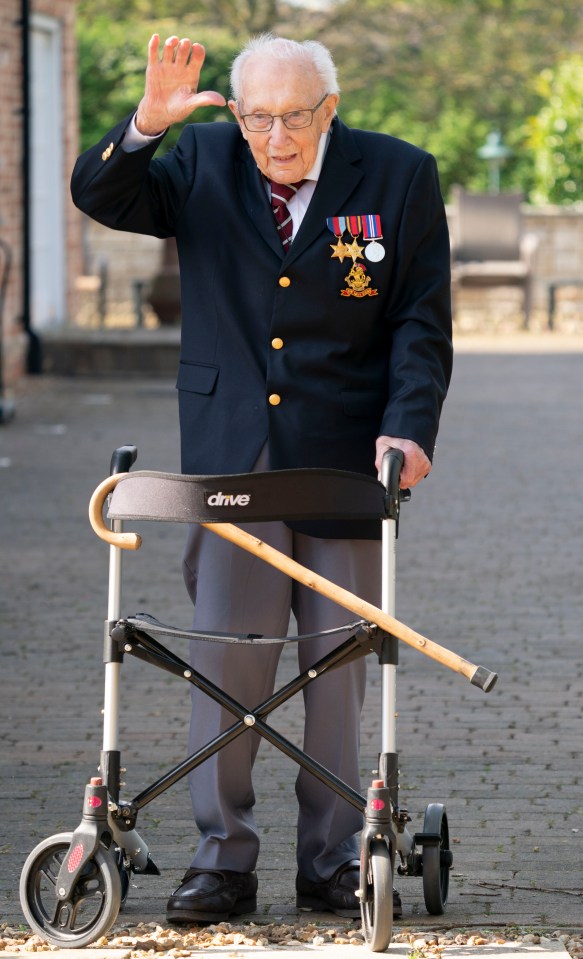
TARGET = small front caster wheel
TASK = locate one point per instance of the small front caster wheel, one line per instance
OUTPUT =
(93, 907)
(377, 911)
(437, 860)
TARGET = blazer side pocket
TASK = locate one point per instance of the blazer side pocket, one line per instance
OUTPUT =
(197, 377)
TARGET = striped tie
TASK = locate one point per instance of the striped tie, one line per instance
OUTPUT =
(281, 193)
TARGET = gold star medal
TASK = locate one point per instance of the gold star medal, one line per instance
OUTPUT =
(339, 250)
(354, 250)
(337, 226)
(354, 228)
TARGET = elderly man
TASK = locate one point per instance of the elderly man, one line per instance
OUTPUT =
(316, 332)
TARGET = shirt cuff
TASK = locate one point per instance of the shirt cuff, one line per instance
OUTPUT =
(134, 140)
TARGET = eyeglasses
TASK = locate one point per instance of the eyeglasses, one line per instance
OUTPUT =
(294, 120)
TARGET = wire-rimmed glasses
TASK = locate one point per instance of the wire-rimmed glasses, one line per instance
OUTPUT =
(292, 120)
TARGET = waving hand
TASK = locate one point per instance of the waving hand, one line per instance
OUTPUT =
(171, 92)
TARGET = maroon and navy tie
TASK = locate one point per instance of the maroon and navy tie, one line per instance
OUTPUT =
(281, 194)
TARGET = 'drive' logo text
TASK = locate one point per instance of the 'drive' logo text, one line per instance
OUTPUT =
(227, 499)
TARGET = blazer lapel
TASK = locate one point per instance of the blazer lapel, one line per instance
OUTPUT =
(255, 201)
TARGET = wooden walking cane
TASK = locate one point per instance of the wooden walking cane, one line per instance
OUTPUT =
(477, 675)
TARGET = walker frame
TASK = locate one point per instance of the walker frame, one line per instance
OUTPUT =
(74, 884)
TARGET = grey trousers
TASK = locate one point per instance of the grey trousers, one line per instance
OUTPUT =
(235, 591)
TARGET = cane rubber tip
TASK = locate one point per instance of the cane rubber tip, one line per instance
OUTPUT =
(484, 678)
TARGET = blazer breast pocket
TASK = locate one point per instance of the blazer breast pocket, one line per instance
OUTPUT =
(363, 403)
(197, 377)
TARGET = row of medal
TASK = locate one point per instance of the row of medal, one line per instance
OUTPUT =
(369, 224)
(357, 280)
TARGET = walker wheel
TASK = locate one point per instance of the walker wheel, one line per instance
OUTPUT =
(377, 911)
(93, 907)
(437, 860)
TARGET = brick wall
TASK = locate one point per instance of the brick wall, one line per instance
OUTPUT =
(65, 11)
(10, 182)
(11, 195)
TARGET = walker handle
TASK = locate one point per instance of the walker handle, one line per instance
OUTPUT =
(391, 467)
(122, 459)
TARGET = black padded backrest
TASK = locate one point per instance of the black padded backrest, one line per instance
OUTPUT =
(302, 494)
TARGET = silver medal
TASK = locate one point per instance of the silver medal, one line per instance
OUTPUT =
(374, 251)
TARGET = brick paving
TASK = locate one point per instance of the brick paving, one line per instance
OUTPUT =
(489, 564)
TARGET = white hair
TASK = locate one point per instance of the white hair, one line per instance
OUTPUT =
(278, 48)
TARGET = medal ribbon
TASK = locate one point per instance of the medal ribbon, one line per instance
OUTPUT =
(336, 224)
(371, 226)
(355, 225)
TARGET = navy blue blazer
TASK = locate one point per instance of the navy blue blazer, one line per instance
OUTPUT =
(272, 350)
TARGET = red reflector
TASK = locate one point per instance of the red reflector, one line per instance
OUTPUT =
(75, 857)
(94, 802)
(377, 804)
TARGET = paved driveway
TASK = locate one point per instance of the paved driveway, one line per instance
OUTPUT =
(489, 563)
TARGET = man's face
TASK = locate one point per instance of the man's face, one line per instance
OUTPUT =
(276, 87)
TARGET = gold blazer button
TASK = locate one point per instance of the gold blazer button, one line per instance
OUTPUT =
(284, 281)
(277, 343)
(274, 399)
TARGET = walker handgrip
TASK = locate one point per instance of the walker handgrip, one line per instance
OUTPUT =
(484, 678)
(391, 466)
(122, 459)
(123, 540)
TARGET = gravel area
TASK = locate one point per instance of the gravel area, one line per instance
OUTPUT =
(148, 938)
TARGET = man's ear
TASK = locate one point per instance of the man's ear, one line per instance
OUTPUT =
(232, 105)
(330, 108)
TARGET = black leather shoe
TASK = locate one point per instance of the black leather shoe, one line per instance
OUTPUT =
(337, 894)
(212, 896)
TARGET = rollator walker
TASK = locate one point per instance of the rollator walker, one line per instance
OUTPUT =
(73, 885)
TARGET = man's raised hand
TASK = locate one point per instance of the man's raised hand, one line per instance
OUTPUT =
(171, 92)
